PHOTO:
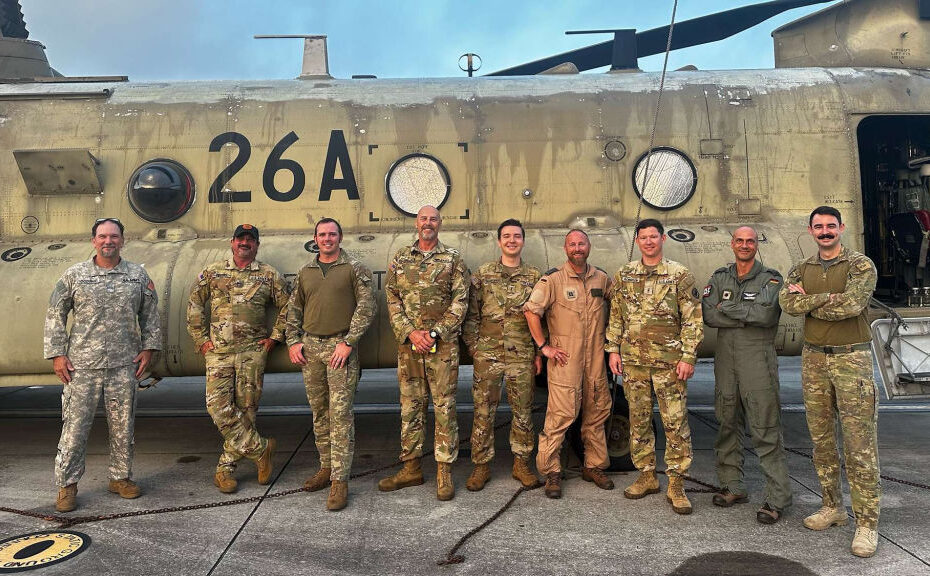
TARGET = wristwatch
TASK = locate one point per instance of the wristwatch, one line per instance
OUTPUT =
(434, 334)
(346, 342)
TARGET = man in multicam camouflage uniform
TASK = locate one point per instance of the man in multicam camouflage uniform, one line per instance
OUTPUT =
(234, 293)
(655, 329)
(573, 300)
(115, 330)
(741, 302)
(331, 308)
(499, 341)
(427, 296)
(832, 290)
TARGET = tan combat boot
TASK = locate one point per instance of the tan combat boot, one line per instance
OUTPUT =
(410, 475)
(319, 480)
(597, 476)
(338, 495)
(479, 477)
(646, 484)
(265, 467)
(445, 490)
(523, 472)
(865, 542)
(676, 495)
(67, 498)
(225, 481)
(126, 488)
(826, 517)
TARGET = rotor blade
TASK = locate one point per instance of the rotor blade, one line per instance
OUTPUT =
(692, 32)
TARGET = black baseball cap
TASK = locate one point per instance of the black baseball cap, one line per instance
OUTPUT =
(246, 229)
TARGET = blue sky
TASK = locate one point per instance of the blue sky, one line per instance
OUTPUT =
(212, 39)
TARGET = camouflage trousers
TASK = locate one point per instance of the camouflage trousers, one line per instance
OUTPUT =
(419, 376)
(842, 384)
(234, 387)
(672, 395)
(746, 393)
(79, 400)
(331, 393)
(486, 392)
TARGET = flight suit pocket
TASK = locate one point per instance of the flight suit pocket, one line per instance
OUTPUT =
(564, 401)
(762, 409)
(725, 406)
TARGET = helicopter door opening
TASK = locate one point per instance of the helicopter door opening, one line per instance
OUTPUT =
(894, 159)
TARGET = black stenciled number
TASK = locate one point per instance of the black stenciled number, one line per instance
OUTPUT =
(276, 163)
(217, 194)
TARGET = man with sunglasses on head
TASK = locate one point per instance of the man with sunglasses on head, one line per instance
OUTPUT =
(115, 330)
(226, 319)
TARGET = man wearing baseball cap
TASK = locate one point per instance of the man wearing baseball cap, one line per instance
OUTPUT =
(226, 319)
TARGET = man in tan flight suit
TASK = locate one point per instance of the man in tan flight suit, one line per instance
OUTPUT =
(572, 298)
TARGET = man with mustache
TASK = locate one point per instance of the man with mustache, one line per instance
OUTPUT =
(572, 299)
(331, 308)
(115, 329)
(226, 319)
(427, 297)
(741, 302)
(655, 329)
(500, 343)
(831, 290)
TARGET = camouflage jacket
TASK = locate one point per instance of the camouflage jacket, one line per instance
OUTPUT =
(495, 325)
(115, 315)
(732, 302)
(360, 287)
(655, 318)
(426, 291)
(235, 301)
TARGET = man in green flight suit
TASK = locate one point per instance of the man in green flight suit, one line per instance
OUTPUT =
(741, 302)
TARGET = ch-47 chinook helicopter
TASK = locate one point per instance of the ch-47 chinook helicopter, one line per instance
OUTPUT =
(843, 119)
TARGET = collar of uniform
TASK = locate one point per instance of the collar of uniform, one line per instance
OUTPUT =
(120, 268)
(661, 267)
(567, 268)
(815, 258)
(753, 272)
(521, 269)
(231, 265)
(341, 259)
(439, 249)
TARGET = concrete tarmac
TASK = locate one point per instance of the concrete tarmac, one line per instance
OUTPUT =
(588, 531)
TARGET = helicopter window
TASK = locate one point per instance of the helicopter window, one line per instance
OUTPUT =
(672, 178)
(161, 191)
(417, 180)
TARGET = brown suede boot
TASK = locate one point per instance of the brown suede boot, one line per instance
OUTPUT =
(410, 475)
(126, 488)
(319, 480)
(264, 464)
(646, 484)
(225, 481)
(597, 476)
(445, 489)
(553, 487)
(479, 477)
(524, 473)
(676, 495)
(338, 495)
(67, 498)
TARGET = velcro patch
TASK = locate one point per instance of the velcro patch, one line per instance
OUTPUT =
(750, 296)
(707, 290)
(726, 295)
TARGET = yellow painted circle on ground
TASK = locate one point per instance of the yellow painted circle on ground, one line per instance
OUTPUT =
(40, 549)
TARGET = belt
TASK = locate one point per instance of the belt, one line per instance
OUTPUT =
(839, 349)
(326, 336)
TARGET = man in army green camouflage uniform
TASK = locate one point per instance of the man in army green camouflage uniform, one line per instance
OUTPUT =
(741, 302)
(832, 290)
(331, 307)
(655, 328)
(114, 332)
(226, 319)
(499, 341)
(427, 296)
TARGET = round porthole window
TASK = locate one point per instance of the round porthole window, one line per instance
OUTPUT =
(417, 180)
(161, 191)
(672, 179)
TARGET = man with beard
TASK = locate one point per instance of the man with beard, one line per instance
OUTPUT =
(741, 302)
(655, 329)
(115, 329)
(427, 297)
(831, 290)
(235, 293)
(572, 299)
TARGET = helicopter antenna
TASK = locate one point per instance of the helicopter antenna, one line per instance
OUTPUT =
(316, 58)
